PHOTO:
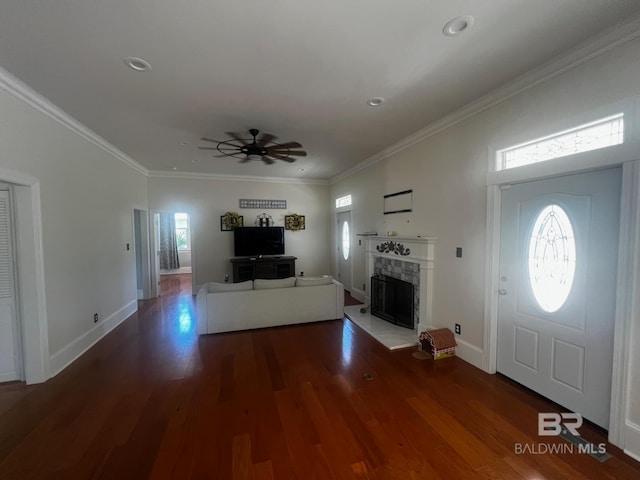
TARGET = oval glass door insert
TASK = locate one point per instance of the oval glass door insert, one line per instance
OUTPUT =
(346, 240)
(552, 258)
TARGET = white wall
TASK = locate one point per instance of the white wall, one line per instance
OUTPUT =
(207, 199)
(87, 200)
(447, 172)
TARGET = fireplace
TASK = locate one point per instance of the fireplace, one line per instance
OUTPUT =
(392, 300)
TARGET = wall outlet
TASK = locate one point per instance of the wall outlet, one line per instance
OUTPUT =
(95, 318)
(458, 329)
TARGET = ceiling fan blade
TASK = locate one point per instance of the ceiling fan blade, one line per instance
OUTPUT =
(287, 145)
(282, 157)
(267, 160)
(246, 159)
(209, 140)
(298, 154)
(238, 138)
(266, 138)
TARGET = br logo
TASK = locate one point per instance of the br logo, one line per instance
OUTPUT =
(552, 424)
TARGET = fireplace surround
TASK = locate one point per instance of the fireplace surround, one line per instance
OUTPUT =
(410, 259)
(392, 300)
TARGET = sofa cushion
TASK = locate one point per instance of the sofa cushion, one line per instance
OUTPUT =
(213, 287)
(312, 281)
(263, 284)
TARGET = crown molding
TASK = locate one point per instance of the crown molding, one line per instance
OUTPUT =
(604, 42)
(234, 178)
(24, 92)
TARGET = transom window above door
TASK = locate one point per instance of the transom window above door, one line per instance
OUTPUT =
(602, 133)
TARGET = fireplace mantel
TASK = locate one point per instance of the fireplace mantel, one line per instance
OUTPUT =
(417, 250)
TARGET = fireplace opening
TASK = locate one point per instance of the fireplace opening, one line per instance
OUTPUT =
(392, 300)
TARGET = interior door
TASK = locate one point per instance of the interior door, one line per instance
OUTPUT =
(10, 351)
(344, 242)
(558, 263)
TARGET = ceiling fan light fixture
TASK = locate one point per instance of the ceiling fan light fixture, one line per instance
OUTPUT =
(137, 64)
(457, 25)
(264, 149)
(375, 101)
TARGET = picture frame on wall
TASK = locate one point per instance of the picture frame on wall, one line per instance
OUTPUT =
(294, 222)
(230, 220)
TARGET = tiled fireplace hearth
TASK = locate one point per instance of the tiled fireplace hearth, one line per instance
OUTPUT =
(406, 258)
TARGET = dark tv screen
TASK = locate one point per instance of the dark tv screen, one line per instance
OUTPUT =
(254, 241)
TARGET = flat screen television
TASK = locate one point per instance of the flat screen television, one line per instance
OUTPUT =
(255, 241)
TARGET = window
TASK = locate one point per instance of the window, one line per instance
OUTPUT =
(552, 258)
(343, 201)
(346, 240)
(183, 239)
(606, 132)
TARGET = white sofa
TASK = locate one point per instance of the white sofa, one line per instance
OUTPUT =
(226, 307)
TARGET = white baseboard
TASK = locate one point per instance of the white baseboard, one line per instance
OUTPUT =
(632, 440)
(357, 294)
(469, 353)
(65, 356)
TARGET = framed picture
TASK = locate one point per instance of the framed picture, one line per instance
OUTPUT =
(229, 221)
(294, 222)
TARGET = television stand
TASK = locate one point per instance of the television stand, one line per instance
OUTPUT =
(250, 268)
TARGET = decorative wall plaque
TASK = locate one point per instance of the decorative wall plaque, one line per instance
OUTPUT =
(393, 247)
(294, 222)
(255, 203)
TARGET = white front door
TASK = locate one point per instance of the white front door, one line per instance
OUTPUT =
(345, 235)
(10, 351)
(558, 263)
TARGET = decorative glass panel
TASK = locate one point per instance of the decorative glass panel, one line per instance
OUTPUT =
(343, 201)
(346, 241)
(602, 133)
(552, 258)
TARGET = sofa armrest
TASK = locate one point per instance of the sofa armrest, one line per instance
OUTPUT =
(339, 298)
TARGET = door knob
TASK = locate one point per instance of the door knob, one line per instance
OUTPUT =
(502, 291)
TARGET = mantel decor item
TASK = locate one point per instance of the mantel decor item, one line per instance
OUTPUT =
(229, 221)
(294, 222)
(393, 247)
(264, 220)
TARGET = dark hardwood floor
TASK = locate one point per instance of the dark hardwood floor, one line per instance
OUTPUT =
(154, 400)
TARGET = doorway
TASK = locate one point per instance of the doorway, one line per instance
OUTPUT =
(344, 242)
(557, 288)
(172, 247)
(10, 332)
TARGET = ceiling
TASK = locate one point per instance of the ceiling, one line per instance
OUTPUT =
(301, 70)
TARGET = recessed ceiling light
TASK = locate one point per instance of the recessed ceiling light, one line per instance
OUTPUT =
(301, 169)
(375, 101)
(174, 168)
(137, 64)
(458, 25)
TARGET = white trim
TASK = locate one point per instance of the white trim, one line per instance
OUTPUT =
(627, 302)
(632, 444)
(65, 356)
(235, 178)
(469, 353)
(358, 294)
(614, 37)
(30, 264)
(492, 266)
(22, 91)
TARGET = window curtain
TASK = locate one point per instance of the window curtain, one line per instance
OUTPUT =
(168, 245)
